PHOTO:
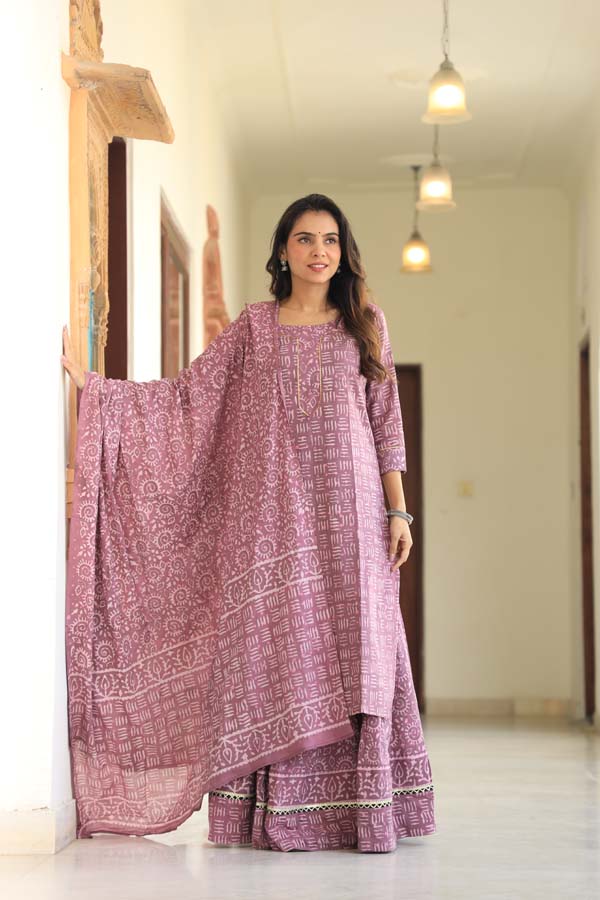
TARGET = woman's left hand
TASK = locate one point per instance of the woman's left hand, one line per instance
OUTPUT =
(400, 540)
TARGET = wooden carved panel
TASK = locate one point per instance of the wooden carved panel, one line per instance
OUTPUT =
(107, 100)
(175, 294)
(215, 313)
(97, 312)
(85, 30)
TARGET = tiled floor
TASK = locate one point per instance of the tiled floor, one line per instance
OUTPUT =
(517, 808)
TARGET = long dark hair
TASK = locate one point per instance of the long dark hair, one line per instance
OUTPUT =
(348, 289)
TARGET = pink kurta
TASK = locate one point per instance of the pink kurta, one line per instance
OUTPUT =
(344, 444)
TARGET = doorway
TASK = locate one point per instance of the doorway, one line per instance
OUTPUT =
(587, 537)
(115, 354)
(411, 573)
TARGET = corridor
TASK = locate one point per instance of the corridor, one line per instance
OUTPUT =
(518, 819)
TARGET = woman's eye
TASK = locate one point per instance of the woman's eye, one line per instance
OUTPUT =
(332, 239)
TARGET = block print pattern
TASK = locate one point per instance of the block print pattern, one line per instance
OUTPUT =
(371, 788)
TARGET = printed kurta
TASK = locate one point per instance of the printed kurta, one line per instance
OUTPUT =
(347, 432)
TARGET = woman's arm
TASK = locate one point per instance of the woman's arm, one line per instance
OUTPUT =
(383, 408)
(393, 489)
(385, 416)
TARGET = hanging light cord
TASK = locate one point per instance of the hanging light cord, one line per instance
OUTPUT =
(436, 142)
(416, 216)
(445, 31)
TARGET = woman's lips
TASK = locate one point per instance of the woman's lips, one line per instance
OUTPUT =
(317, 266)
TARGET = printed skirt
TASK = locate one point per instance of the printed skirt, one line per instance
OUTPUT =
(366, 791)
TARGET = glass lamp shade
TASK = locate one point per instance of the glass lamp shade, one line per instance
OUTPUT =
(415, 255)
(435, 189)
(447, 101)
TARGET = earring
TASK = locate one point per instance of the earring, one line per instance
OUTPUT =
(339, 269)
(284, 265)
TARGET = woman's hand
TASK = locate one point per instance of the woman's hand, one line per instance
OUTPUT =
(69, 362)
(400, 539)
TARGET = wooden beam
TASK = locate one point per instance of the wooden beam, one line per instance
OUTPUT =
(127, 96)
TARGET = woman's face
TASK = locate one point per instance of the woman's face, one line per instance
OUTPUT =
(313, 247)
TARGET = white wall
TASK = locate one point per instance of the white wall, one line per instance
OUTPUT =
(490, 328)
(196, 169)
(34, 767)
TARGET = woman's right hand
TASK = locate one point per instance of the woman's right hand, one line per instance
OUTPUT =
(68, 360)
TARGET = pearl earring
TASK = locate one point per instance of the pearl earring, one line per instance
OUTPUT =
(284, 265)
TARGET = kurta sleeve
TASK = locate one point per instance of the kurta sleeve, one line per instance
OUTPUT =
(383, 407)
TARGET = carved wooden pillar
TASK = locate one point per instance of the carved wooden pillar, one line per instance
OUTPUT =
(107, 99)
(216, 317)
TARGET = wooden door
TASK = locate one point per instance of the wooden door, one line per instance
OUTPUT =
(411, 572)
(587, 537)
(115, 352)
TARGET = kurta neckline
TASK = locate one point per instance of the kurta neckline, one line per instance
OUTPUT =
(335, 322)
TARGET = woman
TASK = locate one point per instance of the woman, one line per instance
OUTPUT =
(237, 514)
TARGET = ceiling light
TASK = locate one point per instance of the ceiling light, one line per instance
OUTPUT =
(436, 185)
(447, 101)
(415, 253)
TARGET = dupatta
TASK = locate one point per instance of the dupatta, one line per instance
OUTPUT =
(199, 641)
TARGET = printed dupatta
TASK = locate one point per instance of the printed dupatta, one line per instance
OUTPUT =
(200, 645)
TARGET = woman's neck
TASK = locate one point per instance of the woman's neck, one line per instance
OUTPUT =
(308, 304)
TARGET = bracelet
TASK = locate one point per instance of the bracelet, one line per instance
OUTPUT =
(401, 513)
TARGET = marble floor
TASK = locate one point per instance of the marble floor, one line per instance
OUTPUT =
(517, 812)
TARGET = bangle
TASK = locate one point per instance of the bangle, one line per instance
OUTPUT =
(401, 513)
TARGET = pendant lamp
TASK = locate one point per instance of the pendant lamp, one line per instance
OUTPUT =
(415, 253)
(447, 101)
(436, 185)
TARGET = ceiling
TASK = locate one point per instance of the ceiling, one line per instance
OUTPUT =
(330, 94)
